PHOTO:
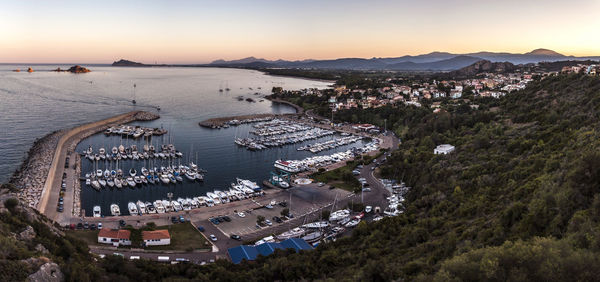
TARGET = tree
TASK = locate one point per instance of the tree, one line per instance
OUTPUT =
(11, 204)
(260, 219)
(285, 212)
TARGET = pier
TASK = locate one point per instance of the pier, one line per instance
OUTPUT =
(64, 161)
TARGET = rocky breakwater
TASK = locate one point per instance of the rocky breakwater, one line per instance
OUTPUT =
(33, 180)
(29, 179)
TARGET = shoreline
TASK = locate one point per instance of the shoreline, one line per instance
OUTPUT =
(215, 123)
(37, 175)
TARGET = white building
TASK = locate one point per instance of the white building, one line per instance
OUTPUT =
(443, 149)
(156, 237)
(114, 237)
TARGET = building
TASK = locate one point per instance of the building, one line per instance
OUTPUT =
(115, 237)
(245, 252)
(156, 237)
(443, 149)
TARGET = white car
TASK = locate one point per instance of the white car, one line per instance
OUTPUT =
(241, 214)
(268, 222)
(99, 225)
(368, 209)
(320, 184)
(213, 237)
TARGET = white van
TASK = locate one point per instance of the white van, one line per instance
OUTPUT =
(134, 257)
(163, 259)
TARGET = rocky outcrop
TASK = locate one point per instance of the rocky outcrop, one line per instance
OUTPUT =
(27, 234)
(78, 69)
(48, 272)
(482, 67)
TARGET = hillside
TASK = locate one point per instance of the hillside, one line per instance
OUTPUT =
(519, 199)
(482, 66)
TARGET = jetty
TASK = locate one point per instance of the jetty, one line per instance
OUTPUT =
(61, 160)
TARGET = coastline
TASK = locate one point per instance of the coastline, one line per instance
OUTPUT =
(40, 172)
(219, 122)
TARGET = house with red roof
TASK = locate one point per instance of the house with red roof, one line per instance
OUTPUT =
(115, 237)
(156, 237)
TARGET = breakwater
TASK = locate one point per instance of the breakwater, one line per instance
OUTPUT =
(36, 175)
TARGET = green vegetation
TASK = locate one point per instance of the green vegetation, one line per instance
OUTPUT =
(340, 177)
(184, 237)
(519, 199)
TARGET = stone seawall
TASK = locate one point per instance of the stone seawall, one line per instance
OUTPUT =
(31, 179)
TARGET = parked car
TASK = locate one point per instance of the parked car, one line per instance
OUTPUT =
(277, 219)
(213, 237)
(241, 214)
(320, 184)
(236, 237)
(80, 225)
(174, 219)
(366, 189)
(200, 228)
(122, 222)
(283, 204)
(181, 219)
(86, 225)
(227, 218)
(99, 225)
(268, 222)
(92, 226)
(269, 206)
(368, 209)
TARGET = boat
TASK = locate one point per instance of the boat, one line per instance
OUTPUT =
(294, 233)
(159, 206)
(214, 197)
(114, 210)
(88, 182)
(150, 208)
(167, 205)
(165, 179)
(150, 179)
(190, 175)
(312, 237)
(132, 209)
(132, 172)
(97, 211)
(249, 184)
(141, 207)
(353, 222)
(176, 206)
(110, 182)
(118, 183)
(316, 225)
(95, 184)
(339, 215)
(131, 182)
(286, 166)
(102, 182)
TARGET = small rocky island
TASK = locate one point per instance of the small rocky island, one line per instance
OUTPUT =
(74, 69)
(127, 63)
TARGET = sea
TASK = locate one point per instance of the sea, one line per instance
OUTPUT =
(35, 104)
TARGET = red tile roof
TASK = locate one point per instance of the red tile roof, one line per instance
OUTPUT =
(156, 234)
(114, 233)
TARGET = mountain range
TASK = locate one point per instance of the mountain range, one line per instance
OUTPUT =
(435, 61)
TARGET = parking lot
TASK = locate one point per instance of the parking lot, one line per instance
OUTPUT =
(245, 222)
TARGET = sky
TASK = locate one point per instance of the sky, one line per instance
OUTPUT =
(175, 31)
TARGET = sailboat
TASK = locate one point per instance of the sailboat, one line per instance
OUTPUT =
(133, 101)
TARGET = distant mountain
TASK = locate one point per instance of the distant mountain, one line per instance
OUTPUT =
(435, 61)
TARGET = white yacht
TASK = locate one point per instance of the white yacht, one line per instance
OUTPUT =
(214, 197)
(165, 178)
(130, 182)
(95, 184)
(141, 206)
(294, 233)
(114, 210)
(339, 215)
(286, 166)
(150, 208)
(159, 206)
(176, 206)
(118, 183)
(249, 184)
(167, 205)
(132, 209)
(97, 211)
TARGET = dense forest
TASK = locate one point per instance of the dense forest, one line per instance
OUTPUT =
(519, 199)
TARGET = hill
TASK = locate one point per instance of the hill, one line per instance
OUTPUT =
(126, 63)
(482, 66)
(519, 199)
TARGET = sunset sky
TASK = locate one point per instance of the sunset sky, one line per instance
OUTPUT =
(202, 31)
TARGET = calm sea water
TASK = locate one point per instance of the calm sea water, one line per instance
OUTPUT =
(34, 104)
